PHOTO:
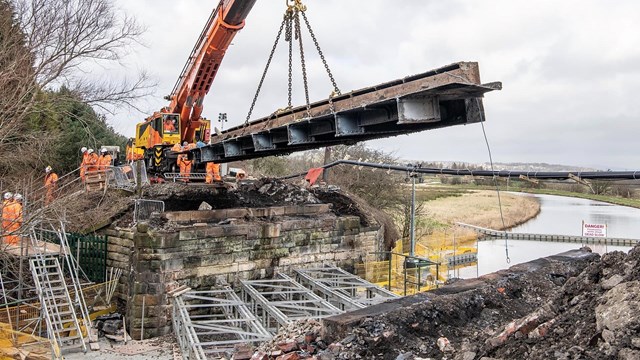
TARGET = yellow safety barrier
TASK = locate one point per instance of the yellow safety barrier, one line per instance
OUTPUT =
(437, 248)
(16, 345)
(28, 314)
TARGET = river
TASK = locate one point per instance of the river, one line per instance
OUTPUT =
(561, 216)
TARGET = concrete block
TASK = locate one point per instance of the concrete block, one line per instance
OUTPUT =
(236, 213)
(271, 230)
(178, 216)
(276, 211)
(293, 210)
(149, 300)
(257, 212)
(118, 257)
(234, 230)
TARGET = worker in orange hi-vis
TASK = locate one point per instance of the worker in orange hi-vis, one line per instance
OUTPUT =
(92, 161)
(6, 202)
(50, 184)
(7, 199)
(184, 163)
(177, 147)
(169, 125)
(84, 162)
(105, 160)
(213, 173)
(12, 221)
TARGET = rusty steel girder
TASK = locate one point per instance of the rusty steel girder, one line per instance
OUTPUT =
(448, 96)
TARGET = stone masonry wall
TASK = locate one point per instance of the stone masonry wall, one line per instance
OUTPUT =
(193, 250)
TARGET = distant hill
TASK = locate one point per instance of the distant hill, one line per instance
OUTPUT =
(536, 167)
(516, 166)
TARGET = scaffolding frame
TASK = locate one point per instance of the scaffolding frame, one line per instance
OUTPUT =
(280, 301)
(343, 289)
(213, 322)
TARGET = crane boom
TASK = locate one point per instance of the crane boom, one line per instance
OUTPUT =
(181, 121)
(203, 63)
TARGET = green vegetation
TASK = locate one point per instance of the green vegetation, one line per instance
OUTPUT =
(48, 91)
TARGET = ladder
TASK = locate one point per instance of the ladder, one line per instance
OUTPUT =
(64, 328)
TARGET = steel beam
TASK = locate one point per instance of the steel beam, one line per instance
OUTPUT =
(448, 96)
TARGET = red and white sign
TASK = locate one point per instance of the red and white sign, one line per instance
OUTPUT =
(594, 230)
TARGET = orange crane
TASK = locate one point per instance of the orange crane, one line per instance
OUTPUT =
(182, 120)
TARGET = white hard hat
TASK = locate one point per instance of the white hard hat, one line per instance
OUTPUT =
(48, 169)
(103, 150)
(90, 151)
(185, 143)
(8, 195)
(17, 197)
(84, 149)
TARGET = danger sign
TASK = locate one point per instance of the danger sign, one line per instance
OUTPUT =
(594, 230)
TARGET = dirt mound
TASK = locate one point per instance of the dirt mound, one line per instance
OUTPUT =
(571, 306)
(88, 212)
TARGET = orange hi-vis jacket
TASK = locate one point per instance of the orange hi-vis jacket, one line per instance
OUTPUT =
(11, 222)
(213, 173)
(50, 179)
(84, 164)
(104, 162)
(93, 162)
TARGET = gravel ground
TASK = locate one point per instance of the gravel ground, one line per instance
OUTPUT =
(158, 349)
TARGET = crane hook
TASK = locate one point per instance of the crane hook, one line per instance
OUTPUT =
(295, 5)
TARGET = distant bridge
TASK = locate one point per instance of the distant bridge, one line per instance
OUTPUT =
(552, 238)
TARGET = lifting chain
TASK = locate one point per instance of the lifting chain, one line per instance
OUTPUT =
(288, 39)
(264, 74)
(292, 27)
(302, 60)
(324, 61)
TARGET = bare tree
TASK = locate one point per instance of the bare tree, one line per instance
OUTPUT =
(47, 44)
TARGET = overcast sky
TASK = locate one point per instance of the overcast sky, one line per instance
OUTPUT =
(570, 69)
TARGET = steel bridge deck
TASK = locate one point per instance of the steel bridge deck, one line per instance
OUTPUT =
(448, 96)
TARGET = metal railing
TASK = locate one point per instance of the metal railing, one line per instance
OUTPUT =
(144, 208)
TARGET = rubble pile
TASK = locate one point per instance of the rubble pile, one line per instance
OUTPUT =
(250, 194)
(551, 308)
(299, 340)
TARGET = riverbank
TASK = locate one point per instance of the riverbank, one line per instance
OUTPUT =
(634, 203)
(481, 208)
(616, 200)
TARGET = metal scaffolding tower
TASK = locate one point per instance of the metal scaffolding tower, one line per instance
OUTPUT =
(278, 302)
(342, 289)
(212, 322)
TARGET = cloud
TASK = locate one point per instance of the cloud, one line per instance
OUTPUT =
(569, 69)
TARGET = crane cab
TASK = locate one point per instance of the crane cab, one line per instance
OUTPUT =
(155, 137)
(158, 132)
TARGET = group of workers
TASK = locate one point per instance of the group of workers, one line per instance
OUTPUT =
(11, 218)
(91, 162)
(185, 164)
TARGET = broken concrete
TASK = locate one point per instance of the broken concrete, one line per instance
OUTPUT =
(559, 307)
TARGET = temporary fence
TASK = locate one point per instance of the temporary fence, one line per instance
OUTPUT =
(144, 208)
(433, 256)
(123, 177)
